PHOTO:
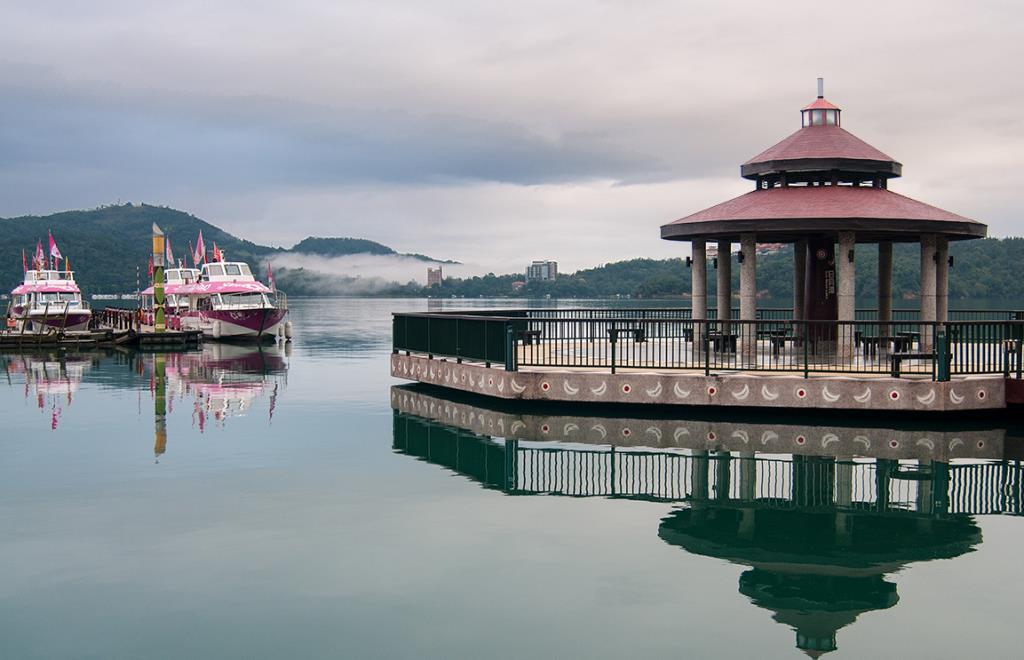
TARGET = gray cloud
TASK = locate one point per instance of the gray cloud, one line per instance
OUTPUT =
(574, 116)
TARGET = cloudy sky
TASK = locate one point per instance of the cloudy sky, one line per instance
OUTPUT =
(491, 133)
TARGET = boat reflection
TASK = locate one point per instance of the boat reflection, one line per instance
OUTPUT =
(820, 512)
(52, 379)
(218, 382)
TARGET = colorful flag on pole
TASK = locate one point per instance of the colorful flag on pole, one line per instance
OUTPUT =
(270, 279)
(24, 260)
(40, 260)
(200, 253)
(151, 266)
(217, 254)
(170, 255)
(54, 250)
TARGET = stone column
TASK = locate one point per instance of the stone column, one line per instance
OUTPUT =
(699, 465)
(748, 476)
(941, 279)
(928, 244)
(724, 291)
(748, 298)
(846, 289)
(699, 292)
(884, 292)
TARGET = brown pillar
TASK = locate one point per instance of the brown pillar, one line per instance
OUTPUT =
(799, 276)
(748, 297)
(846, 303)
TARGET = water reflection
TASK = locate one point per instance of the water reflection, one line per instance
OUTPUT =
(819, 512)
(218, 382)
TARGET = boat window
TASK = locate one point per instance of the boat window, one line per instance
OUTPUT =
(245, 270)
(233, 269)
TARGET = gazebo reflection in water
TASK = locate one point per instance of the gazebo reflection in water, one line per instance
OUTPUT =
(819, 528)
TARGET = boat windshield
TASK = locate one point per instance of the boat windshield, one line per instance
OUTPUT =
(245, 299)
(61, 298)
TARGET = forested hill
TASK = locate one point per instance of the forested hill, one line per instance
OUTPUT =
(982, 269)
(105, 245)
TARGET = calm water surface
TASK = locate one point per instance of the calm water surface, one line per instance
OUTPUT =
(295, 505)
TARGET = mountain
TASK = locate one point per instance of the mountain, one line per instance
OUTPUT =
(105, 245)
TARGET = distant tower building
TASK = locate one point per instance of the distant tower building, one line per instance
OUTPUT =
(434, 276)
(542, 270)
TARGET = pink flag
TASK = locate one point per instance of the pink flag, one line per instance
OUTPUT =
(40, 260)
(270, 278)
(24, 261)
(200, 253)
(54, 250)
(170, 255)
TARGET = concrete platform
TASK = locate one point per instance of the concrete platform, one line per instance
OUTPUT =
(691, 388)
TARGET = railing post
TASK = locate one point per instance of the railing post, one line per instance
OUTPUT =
(806, 341)
(510, 347)
(705, 339)
(613, 338)
(940, 365)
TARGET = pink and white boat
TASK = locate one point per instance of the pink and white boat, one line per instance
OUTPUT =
(227, 302)
(176, 303)
(48, 300)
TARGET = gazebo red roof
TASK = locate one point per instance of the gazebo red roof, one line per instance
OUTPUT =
(820, 104)
(791, 213)
(819, 142)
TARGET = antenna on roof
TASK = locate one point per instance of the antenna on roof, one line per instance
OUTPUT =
(821, 88)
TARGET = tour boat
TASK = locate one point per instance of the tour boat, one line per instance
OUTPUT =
(227, 302)
(176, 300)
(48, 300)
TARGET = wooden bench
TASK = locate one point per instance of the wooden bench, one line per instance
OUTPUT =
(722, 342)
(639, 334)
(897, 358)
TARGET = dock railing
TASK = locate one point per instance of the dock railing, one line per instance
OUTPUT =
(658, 339)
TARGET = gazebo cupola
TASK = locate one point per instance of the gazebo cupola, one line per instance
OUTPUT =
(822, 152)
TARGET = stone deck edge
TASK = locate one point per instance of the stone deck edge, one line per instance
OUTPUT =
(759, 391)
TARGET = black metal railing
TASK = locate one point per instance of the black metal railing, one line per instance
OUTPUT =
(666, 339)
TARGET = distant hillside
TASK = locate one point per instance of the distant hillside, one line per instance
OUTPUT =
(105, 245)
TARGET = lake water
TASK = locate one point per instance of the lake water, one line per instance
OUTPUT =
(284, 509)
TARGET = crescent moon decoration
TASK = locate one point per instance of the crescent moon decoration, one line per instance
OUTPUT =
(654, 391)
(954, 443)
(768, 394)
(569, 389)
(516, 387)
(862, 440)
(655, 431)
(570, 428)
(682, 394)
(927, 399)
(828, 396)
(830, 438)
(501, 385)
(600, 390)
(927, 442)
(516, 426)
(769, 436)
(742, 393)
(740, 434)
(680, 432)
(601, 430)
(863, 398)
(956, 398)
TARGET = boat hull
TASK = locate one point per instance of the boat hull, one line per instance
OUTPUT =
(246, 324)
(38, 321)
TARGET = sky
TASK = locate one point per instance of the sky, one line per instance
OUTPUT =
(492, 133)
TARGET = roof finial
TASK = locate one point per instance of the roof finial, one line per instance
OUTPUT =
(821, 88)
